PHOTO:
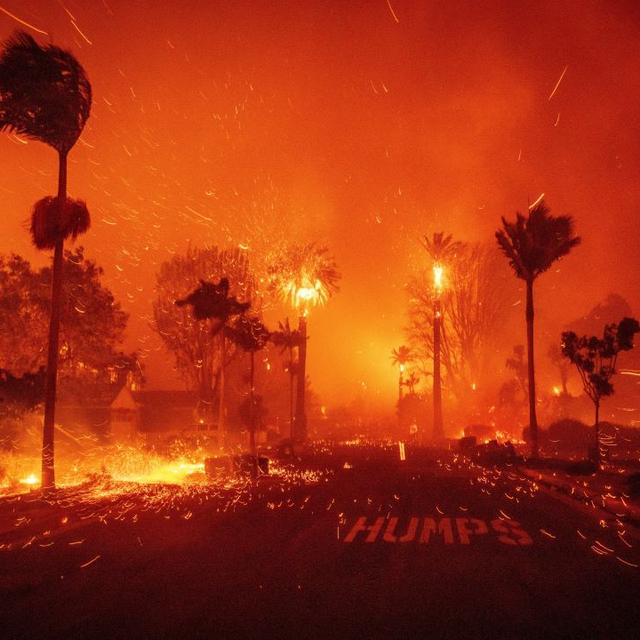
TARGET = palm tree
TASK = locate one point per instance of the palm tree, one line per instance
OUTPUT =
(211, 301)
(400, 357)
(304, 276)
(288, 339)
(45, 95)
(440, 248)
(411, 382)
(251, 336)
(532, 244)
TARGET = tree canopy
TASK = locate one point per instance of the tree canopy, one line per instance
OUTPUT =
(191, 341)
(45, 94)
(533, 243)
(92, 323)
(595, 358)
(474, 304)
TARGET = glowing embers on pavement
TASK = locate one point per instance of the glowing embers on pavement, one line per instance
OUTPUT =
(440, 530)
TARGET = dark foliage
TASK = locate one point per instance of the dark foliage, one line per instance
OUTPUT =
(211, 300)
(533, 243)
(285, 337)
(595, 358)
(44, 92)
(568, 434)
(49, 224)
(248, 333)
(21, 393)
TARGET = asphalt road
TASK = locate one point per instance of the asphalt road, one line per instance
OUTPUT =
(430, 547)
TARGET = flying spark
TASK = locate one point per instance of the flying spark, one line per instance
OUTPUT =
(23, 22)
(558, 83)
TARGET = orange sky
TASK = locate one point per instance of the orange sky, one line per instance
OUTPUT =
(350, 127)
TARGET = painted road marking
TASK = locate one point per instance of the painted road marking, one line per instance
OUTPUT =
(426, 529)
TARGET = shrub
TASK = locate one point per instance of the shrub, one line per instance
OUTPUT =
(569, 433)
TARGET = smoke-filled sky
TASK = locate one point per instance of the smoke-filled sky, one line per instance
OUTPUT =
(365, 124)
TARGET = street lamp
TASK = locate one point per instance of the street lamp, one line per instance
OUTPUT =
(438, 429)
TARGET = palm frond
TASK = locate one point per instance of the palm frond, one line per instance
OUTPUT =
(441, 247)
(304, 266)
(248, 332)
(401, 355)
(49, 224)
(45, 94)
(532, 244)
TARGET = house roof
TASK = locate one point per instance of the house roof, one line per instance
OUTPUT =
(125, 400)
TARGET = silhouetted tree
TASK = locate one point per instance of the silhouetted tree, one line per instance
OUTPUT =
(532, 244)
(45, 95)
(475, 303)
(441, 249)
(411, 382)
(288, 339)
(250, 334)
(400, 357)
(92, 322)
(303, 275)
(199, 345)
(595, 359)
(18, 395)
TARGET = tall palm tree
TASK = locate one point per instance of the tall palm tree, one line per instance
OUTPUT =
(411, 382)
(400, 357)
(45, 95)
(304, 276)
(440, 248)
(250, 334)
(532, 244)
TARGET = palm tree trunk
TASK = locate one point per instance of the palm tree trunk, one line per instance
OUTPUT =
(223, 349)
(596, 451)
(252, 419)
(48, 480)
(291, 396)
(438, 429)
(301, 416)
(533, 420)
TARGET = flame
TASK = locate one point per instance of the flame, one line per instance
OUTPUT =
(438, 272)
(556, 391)
(304, 293)
(31, 480)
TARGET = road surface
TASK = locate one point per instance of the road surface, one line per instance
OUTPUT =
(368, 547)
